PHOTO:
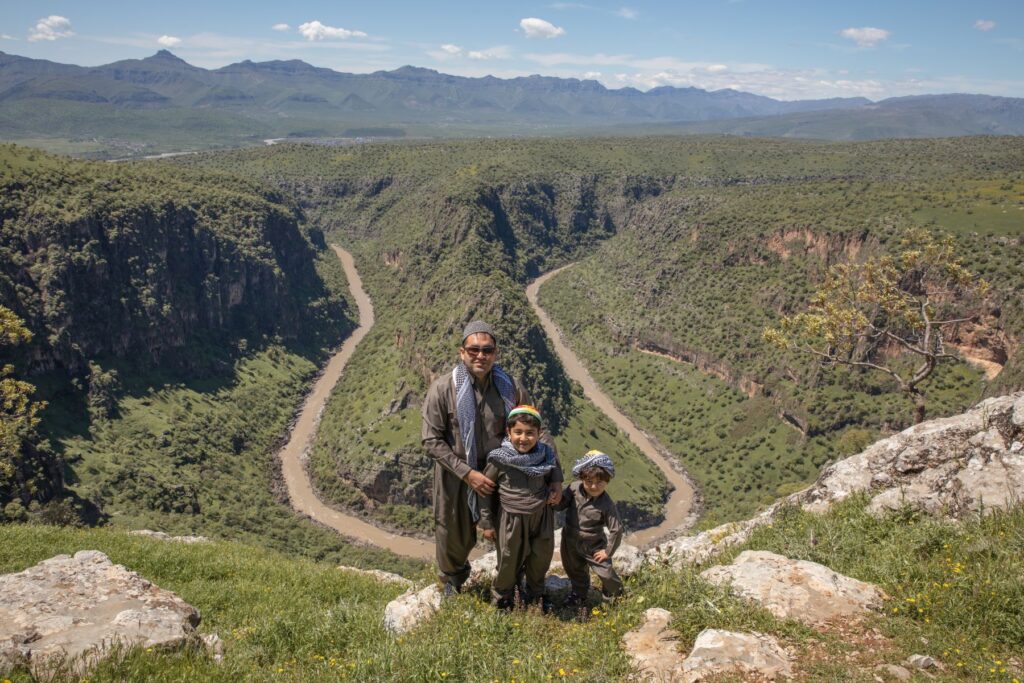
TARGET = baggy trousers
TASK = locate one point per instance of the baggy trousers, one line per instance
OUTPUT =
(526, 543)
(454, 529)
(578, 563)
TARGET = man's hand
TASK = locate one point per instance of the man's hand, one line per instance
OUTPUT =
(479, 483)
(554, 493)
(601, 556)
(489, 534)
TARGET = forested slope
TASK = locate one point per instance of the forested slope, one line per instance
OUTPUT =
(702, 243)
(176, 318)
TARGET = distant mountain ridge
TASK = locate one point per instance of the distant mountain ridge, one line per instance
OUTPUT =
(247, 100)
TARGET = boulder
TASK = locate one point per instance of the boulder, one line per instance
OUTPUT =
(411, 608)
(700, 548)
(77, 608)
(795, 589)
(716, 651)
(378, 574)
(627, 559)
(652, 646)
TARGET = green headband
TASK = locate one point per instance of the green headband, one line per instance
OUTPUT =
(525, 410)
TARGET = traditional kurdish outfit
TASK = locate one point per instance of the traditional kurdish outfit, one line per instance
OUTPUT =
(583, 533)
(519, 512)
(460, 409)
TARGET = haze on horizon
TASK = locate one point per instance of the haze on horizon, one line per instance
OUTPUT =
(785, 50)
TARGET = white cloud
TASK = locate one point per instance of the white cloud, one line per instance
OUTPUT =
(280, 27)
(314, 30)
(984, 24)
(866, 36)
(538, 28)
(716, 68)
(499, 52)
(51, 28)
(452, 49)
(4, 36)
(169, 41)
(628, 13)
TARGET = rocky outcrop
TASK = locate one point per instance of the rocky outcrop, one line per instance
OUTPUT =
(751, 654)
(77, 608)
(653, 649)
(411, 608)
(795, 589)
(161, 536)
(952, 466)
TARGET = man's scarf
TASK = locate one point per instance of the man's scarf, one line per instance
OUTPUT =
(593, 459)
(465, 411)
(536, 463)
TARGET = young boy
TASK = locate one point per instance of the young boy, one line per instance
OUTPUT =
(584, 544)
(523, 524)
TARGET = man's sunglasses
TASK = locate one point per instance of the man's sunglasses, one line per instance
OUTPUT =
(479, 350)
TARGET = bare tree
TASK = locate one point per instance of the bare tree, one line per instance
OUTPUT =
(906, 302)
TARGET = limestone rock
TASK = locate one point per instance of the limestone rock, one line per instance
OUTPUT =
(214, 646)
(483, 569)
(410, 608)
(160, 535)
(652, 648)
(627, 559)
(78, 607)
(921, 662)
(795, 589)
(380, 575)
(716, 651)
(700, 548)
(894, 672)
(954, 465)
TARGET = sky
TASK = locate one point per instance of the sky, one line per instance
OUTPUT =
(787, 50)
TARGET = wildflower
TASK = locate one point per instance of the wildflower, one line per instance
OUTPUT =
(561, 672)
(640, 599)
(515, 662)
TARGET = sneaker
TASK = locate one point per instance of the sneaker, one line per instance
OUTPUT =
(450, 590)
(572, 600)
(505, 604)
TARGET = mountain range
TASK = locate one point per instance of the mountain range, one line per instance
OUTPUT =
(162, 99)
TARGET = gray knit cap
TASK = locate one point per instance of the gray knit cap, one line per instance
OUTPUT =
(476, 327)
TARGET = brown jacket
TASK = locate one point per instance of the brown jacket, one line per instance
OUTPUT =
(586, 519)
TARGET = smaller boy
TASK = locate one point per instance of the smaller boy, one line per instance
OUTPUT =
(584, 544)
(518, 516)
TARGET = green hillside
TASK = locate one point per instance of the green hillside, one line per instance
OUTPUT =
(955, 595)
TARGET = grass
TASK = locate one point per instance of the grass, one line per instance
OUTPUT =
(198, 457)
(956, 593)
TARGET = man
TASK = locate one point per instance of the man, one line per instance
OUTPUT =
(464, 420)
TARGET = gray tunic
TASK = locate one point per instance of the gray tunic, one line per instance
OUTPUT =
(586, 519)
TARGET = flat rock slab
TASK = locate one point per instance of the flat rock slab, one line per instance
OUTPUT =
(795, 589)
(162, 536)
(78, 607)
(411, 608)
(716, 651)
(653, 648)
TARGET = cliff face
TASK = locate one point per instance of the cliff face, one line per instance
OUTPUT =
(135, 268)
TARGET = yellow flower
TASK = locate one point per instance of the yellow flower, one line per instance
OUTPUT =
(515, 661)
(561, 672)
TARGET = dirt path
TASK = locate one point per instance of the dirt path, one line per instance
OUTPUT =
(294, 454)
(677, 509)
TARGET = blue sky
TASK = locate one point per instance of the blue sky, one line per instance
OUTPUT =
(787, 50)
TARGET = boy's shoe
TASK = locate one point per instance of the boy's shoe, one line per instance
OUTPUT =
(546, 606)
(505, 604)
(572, 600)
(450, 590)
